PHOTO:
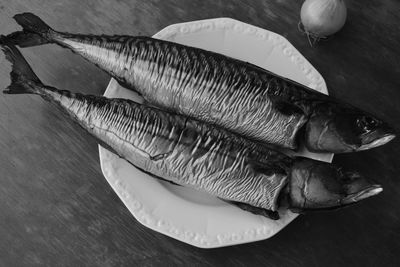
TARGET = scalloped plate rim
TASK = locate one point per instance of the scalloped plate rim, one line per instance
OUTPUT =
(163, 33)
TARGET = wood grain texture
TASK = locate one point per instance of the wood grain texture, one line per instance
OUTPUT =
(56, 209)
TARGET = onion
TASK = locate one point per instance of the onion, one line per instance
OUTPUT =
(321, 18)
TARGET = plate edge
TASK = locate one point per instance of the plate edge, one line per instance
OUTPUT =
(168, 31)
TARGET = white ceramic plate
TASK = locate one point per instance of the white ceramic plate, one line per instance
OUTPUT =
(187, 215)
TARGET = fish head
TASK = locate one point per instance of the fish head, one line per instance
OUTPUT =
(315, 185)
(341, 130)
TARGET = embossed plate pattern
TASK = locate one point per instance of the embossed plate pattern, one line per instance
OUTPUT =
(182, 213)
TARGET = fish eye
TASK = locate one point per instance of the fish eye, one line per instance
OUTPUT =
(366, 123)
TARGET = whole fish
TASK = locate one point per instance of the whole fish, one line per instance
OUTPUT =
(198, 155)
(233, 94)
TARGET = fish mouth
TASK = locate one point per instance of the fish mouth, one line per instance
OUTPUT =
(370, 191)
(378, 142)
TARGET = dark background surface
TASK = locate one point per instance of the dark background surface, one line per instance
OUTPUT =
(56, 209)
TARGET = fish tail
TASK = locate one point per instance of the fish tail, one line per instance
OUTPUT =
(35, 31)
(23, 79)
(26, 39)
(32, 23)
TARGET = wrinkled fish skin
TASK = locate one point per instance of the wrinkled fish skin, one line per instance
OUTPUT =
(236, 95)
(181, 150)
(197, 83)
(217, 89)
(195, 154)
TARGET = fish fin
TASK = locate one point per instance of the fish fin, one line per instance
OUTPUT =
(25, 39)
(274, 215)
(285, 106)
(32, 23)
(278, 165)
(288, 108)
(23, 79)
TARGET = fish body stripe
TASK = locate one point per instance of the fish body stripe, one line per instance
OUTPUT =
(180, 149)
(217, 89)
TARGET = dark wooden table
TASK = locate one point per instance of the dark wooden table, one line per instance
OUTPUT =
(56, 209)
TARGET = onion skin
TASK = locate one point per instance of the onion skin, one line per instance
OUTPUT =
(321, 18)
